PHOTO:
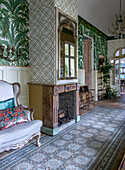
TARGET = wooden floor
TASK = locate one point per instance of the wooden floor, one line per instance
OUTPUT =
(118, 102)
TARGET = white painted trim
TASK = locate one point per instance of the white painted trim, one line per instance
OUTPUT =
(81, 77)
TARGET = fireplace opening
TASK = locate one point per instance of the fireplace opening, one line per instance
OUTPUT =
(63, 116)
(66, 107)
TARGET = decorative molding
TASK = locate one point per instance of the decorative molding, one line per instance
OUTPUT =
(91, 27)
(113, 38)
(69, 25)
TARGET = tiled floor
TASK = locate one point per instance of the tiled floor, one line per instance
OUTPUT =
(91, 143)
(118, 102)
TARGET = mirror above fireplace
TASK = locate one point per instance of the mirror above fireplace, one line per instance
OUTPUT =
(67, 63)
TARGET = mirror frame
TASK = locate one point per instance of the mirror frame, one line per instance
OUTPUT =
(71, 25)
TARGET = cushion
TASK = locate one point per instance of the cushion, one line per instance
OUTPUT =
(12, 116)
(19, 133)
(6, 104)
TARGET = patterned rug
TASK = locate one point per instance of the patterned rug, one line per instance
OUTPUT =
(92, 143)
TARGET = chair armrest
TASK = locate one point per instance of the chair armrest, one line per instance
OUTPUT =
(29, 112)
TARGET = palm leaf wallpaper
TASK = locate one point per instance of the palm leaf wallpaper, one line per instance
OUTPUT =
(14, 29)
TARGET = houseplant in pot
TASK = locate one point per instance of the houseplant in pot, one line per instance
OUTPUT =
(105, 69)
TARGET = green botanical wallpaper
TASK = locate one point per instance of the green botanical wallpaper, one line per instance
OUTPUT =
(100, 41)
(14, 29)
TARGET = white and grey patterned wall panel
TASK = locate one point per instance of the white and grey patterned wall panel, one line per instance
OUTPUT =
(42, 41)
(114, 45)
(69, 7)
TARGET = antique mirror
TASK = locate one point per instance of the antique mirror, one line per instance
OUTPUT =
(67, 48)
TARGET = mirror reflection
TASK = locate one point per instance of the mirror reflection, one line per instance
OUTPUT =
(67, 51)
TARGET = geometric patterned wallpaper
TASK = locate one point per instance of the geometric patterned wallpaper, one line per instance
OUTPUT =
(100, 43)
(42, 23)
(114, 45)
(42, 41)
(69, 7)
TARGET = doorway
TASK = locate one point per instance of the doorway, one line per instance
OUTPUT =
(88, 61)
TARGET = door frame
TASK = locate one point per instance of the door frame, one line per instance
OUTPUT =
(118, 87)
(92, 60)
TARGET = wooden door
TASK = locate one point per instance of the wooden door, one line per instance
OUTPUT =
(87, 62)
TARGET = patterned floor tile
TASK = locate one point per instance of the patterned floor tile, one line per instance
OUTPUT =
(88, 144)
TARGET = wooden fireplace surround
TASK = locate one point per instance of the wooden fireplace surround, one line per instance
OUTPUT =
(50, 105)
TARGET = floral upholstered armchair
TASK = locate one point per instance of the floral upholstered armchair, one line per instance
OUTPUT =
(17, 126)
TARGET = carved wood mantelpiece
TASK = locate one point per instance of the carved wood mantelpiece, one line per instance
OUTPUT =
(50, 105)
(64, 88)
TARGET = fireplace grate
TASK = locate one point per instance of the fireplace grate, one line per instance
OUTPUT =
(63, 116)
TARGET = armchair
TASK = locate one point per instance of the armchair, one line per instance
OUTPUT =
(17, 135)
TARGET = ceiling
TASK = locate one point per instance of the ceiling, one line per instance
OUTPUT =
(100, 13)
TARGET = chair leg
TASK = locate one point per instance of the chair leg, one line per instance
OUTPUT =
(37, 140)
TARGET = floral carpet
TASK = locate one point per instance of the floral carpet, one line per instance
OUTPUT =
(92, 143)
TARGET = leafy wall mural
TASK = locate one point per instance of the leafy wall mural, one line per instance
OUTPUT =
(14, 29)
(100, 41)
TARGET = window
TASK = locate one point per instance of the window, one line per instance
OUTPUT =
(118, 72)
(120, 53)
(67, 49)
(69, 60)
(123, 51)
(117, 53)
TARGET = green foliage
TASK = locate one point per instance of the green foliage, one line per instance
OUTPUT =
(110, 93)
(105, 69)
(4, 23)
(114, 92)
(100, 41)
(14, 26)
(80, 62)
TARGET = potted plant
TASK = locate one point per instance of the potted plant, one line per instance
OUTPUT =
(110, 93)
(105, 69)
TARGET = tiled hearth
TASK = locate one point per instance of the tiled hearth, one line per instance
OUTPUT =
(55, 98)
